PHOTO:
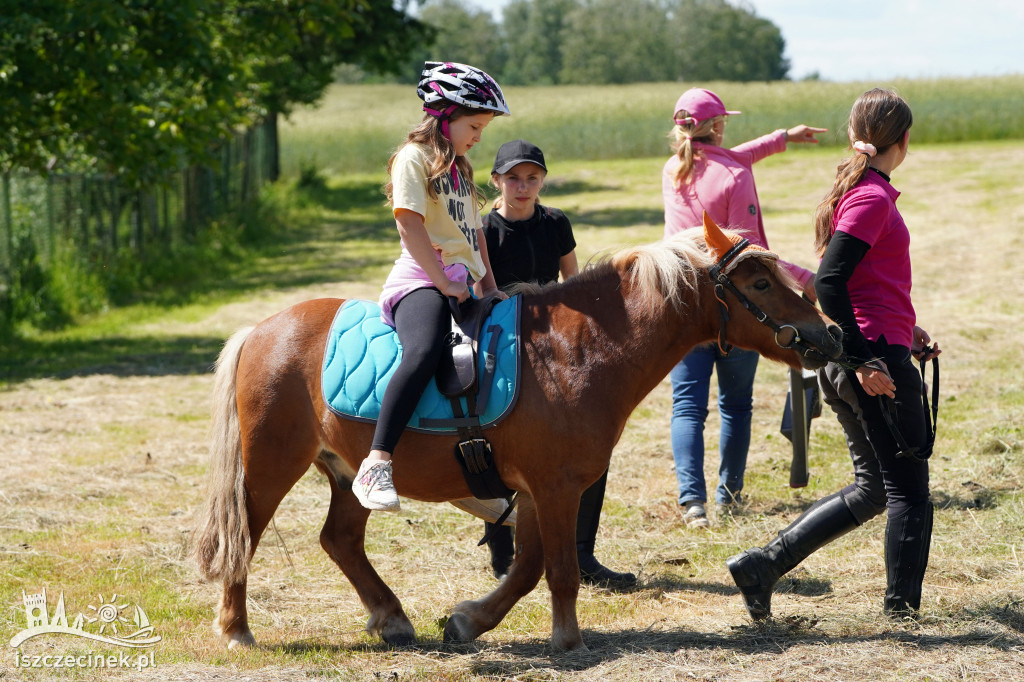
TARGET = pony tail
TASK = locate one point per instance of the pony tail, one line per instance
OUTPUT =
(880, 118)
(849, 172)
(221, 544)
(682, 137)
(685, 156)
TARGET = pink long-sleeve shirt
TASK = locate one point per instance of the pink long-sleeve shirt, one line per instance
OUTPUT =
(722, 183)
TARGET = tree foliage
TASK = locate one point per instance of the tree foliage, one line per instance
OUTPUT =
(532, 32)
(137, 87)
(715, 41)
(461, 35)
(609, 41)
(604, 42)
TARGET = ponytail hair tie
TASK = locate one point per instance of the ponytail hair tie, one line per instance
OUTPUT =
(865, 148)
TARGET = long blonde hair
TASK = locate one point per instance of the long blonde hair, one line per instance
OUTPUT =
(879, 117)
(683, 135)
(429, 134)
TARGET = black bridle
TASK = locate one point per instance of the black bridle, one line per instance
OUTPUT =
(722, 282)
(889, 406)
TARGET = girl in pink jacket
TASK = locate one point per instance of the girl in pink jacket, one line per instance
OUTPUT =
(702, 176)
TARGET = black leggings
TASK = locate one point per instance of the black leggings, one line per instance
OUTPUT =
(422, 319)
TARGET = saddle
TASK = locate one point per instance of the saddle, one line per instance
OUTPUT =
(458, 378)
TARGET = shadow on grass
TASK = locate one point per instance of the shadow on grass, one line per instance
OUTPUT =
(1009, 615)
(561, 188)
(618, 217)
(118, 356)
(797, 582)
(325, 233)
(975, 496)
(514, 659)
(300, 237)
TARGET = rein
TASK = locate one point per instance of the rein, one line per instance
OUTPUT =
(722, 282)
(890, 408)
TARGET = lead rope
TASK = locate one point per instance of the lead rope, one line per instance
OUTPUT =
(890, 408)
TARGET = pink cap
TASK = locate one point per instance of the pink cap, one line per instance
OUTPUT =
(701, 105)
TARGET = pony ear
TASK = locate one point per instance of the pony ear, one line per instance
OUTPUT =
(718, 242)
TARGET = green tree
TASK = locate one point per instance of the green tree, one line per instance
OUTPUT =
(135, 88)
(127, 88)
(611, 41)
(461, 35)
(713, 40)
(532, 31)
(293, 48)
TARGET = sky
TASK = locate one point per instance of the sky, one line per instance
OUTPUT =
(888, 39)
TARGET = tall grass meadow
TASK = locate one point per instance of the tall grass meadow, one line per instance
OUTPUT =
(356, 126)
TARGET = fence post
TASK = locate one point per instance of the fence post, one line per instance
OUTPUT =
(51, 229)
(8, 220)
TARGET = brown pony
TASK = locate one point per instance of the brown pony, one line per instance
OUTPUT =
(592, 348)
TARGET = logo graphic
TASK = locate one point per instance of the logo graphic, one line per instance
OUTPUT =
(107, 623)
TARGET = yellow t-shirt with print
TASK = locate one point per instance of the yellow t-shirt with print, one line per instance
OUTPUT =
(451, 220)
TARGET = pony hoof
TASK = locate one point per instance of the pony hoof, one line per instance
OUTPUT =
(241, 639)
(236, 639)
(401, 635)
(570, 645)
(400, 639)
(456, 630)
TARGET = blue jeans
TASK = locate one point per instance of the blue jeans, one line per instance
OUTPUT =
(691, 384)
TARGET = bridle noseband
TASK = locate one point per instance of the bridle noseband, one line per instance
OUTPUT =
(722, 282)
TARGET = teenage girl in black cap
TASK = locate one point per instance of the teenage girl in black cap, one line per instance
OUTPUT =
(531, 243)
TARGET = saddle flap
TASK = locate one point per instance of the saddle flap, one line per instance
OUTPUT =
(456, 373)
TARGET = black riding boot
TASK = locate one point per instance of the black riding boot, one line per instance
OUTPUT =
(587, 521)
(757, 570)
(503, 549)
(907, 540)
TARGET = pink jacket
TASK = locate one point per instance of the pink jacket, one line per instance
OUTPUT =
(723, 185)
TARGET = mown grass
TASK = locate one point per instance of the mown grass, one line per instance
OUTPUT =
(103, 429)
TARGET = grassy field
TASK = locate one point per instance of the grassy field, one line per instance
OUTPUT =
(356, 126)
(103, 435)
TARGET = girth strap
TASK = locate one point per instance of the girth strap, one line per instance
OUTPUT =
(473, 451)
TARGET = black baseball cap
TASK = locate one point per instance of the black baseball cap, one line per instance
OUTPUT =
(516, 152)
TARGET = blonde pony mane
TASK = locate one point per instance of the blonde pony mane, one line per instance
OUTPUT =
(666, 272)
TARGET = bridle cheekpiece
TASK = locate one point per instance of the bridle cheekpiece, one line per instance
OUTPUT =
(719, 272)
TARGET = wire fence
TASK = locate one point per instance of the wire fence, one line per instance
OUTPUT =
(99, 217)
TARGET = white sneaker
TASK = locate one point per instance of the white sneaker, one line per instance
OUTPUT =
(696, 516)
(373, 486)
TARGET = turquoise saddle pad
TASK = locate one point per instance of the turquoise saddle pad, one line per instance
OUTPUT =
(362, 354)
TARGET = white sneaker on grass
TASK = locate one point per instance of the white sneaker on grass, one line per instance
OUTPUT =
(696, 516)
(373, 486)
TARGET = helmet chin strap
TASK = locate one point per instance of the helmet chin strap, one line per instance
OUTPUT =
(442, 115)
